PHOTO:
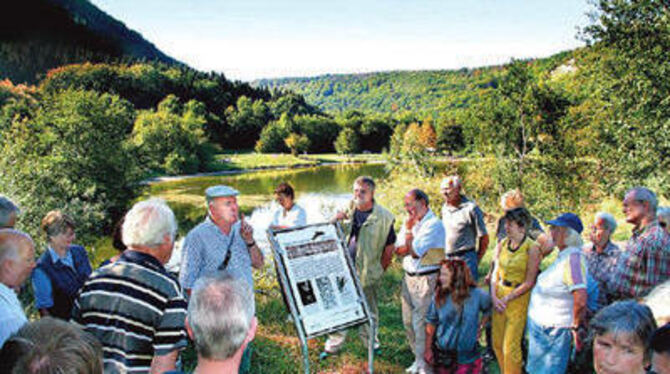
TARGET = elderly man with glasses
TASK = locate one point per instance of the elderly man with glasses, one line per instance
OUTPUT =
(602, 254)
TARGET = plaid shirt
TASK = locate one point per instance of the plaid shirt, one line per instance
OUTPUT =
(601, 267)
(644, 264)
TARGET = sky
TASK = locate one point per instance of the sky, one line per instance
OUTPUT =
(254, 39)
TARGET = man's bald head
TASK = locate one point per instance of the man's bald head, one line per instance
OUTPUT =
(11, 241)
(17, 257)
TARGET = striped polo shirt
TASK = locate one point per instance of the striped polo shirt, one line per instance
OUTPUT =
(136, 310)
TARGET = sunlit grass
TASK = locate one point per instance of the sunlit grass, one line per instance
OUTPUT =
(259, 161)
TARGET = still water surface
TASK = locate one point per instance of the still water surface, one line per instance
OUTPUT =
(321, 191)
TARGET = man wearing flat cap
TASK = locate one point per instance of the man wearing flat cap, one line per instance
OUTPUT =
(222, 242)
(463, 224)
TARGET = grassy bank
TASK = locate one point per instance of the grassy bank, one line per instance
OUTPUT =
(251, 160)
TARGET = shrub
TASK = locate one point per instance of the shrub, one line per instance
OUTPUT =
(70, 152)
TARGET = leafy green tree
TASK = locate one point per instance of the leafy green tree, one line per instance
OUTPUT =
(246, 120)
(407, 149)
(321, 131)
(347, 142)
(375, 132)
(296, 143)
(70, 152)
(172, 138)
(273, 135)
(635, 89)
(450, 137)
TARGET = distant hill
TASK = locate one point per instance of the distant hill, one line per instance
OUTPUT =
(423, 92)
(38, 35)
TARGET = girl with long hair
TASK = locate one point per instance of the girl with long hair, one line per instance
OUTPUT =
(454, 320)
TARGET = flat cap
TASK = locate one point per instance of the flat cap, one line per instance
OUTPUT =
(220, 191)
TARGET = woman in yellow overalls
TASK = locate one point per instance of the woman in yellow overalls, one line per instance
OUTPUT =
(517, 261)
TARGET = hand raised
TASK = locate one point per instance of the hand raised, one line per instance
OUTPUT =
(246, 230)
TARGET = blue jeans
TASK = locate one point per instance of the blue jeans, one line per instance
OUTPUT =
(470, 258)
(549, 348)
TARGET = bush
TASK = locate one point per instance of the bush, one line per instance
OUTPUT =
(172, 139)
(70, 152)
(347, 142)
(273, 135)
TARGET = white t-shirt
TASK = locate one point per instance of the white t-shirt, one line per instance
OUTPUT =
(293, 218)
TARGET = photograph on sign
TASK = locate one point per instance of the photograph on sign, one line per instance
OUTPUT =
(320, 278)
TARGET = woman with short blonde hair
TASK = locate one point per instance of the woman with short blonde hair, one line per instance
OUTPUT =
(63, 268)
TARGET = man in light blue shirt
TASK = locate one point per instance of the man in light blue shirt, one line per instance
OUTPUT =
(17, 260)
(224, 241)
(421, 231)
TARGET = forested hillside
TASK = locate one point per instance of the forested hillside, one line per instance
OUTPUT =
(37, 35)
(420, 92)
(87, 133)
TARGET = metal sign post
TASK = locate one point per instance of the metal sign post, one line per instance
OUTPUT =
(320, 282)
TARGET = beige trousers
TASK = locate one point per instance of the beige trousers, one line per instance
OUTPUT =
(417, 293)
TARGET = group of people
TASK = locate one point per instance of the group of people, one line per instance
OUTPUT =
(537, 321)
(132, 315)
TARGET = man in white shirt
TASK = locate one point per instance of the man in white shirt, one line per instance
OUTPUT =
(421, 231)
(17, 260)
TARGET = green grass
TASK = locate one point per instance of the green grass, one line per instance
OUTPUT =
(277, 348)
(243, 161)
(333, 157)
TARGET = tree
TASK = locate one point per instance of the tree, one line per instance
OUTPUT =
(321, 131)
(427, 136)
(246, 121)
(296, 143)
(172, 138)
(347, 142)
(635, 89)
(70, 152)
(406, 149)
(450, 137)
(273, 135)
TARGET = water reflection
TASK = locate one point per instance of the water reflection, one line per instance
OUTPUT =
(321, 191)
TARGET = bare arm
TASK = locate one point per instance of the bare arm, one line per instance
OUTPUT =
(578, 308)
(255, 253)
(257, 259)
(483, 244)
(532, 268)
(430, 335)
(161, 364)
(498, 304)
(387, 256)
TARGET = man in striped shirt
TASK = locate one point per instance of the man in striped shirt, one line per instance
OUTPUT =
(133, 306)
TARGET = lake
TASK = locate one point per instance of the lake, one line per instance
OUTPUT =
(321, 190)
